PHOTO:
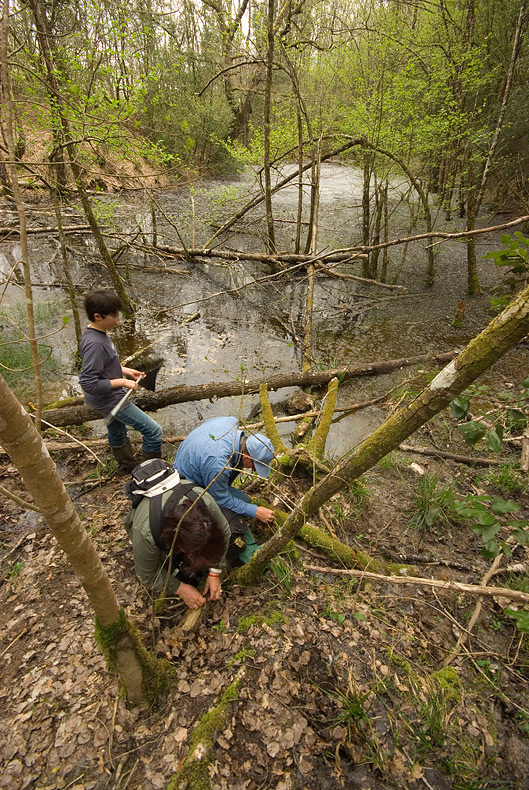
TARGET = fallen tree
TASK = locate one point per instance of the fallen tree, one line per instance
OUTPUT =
(151, 401)
(503, 332)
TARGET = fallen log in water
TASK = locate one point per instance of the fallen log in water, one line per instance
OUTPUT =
(151, 401)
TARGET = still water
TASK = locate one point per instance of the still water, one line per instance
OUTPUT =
(211, 322)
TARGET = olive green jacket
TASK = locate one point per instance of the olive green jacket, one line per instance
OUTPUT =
(150, 562)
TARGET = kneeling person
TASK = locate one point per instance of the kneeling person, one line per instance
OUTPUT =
(213, 455)
(200, 545)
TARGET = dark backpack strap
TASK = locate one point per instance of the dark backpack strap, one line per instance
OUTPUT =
(156, 511)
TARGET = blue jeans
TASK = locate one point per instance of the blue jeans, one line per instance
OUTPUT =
(133, 417)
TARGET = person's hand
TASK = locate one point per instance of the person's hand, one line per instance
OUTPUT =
(213, 587)
(132, 373)
(191, 596)
(264, 514)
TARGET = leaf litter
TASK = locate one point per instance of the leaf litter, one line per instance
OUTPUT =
(339, 691)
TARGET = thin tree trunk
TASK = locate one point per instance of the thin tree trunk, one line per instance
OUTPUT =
(366, 215)
(518, 38)
(52, 69)
(504, 332)
(385, 253)
(28, 453)
(473, 286)
(66, 268)
(306, 363)
(423, 197)
(8, 109)
(271, 244)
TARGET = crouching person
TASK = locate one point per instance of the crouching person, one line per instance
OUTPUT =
(199, 548)
(213, 455)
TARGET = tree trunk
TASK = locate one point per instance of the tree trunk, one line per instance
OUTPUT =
(26, 449)
(518, 38)
(53, 69)
(8, 109)
(76, 415)
(271, 244)
(366, 214)
(473, 286)
(504, 332)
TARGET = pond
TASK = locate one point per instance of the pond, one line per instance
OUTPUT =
(210, 322)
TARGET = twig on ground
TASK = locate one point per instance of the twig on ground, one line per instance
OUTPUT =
(472, 589)
(18, 500)
(462, 459)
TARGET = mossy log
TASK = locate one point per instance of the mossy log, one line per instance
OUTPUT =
(150, 401)
(317, 539)
(194, 773)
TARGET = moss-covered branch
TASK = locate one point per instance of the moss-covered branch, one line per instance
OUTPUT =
(504, 332)
(269, 423)
(317, 444)
(316, 539)
(194, 774)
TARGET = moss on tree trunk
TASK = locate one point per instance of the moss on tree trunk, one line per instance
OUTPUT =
(504, 332)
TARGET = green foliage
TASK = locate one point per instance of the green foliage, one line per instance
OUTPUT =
(332, 614)
(515, 253)
(220, 627)
(511, 414)
(281, 566)
(487, 517)
(272, 618)
(507, 479)
(521, 618)
(15, 570)
(432, 503)
(15, 352)
(242, 655)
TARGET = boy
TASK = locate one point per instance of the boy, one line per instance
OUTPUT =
(103, 382)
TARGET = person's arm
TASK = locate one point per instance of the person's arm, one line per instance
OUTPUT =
(91, 377)
(220, 492)
(212, 587)
(191, 596)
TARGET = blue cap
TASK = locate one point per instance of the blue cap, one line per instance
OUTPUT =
(261, 451)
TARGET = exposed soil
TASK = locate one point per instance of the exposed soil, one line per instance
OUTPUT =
(339, 678)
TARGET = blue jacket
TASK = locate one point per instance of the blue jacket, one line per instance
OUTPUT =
(212, 451)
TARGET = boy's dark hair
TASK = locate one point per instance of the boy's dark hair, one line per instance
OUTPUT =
(103, 302)
(200, 538)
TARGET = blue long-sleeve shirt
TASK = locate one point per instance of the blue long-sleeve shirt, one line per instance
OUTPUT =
(212, 451)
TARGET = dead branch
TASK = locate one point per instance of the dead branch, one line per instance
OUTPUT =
(462, 459)
(449, 586)
(76, 415)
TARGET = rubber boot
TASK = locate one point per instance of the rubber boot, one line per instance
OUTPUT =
(147, 456)
(124, 455)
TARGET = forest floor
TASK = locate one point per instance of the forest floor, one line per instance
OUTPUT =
(341, 682)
